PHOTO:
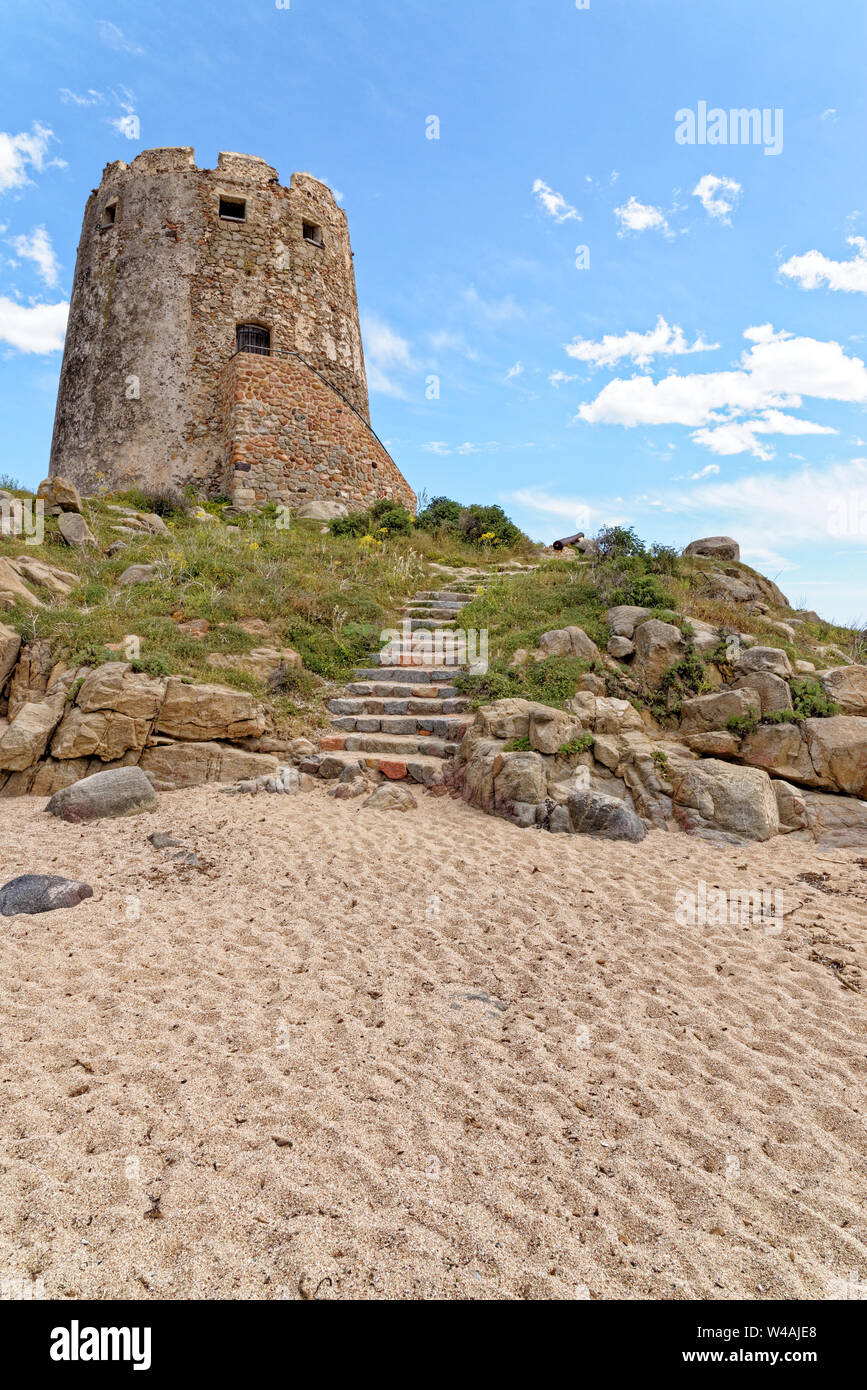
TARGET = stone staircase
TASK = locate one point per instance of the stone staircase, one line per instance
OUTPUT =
(405, 720)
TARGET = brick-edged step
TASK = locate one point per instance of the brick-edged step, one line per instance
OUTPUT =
(408, 675)
(422, 768)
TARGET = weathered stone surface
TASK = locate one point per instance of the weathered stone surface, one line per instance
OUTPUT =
(715, 547)
(121, 791)
(624, 619)
(31, 675)
(261, 662)
(705, 636)
(176, 765)
(614, 716)
(34, 893)
(115, 686)
(550, 728)
(791, 806)
(764, 659)
(57, 581)
(593, 813)
(205, 712)
(25, 738)
(724, 796)
(519, 777)
(569, 641)
(716, 743)
(389, 797)
(10, 646)
(102, 733)
(620, 648)
(505, 719)
(781, 749)
(773, 692)
(137, 574)
(848, 686)
(12, 589)
(59, 492)
(75, 530)
(706, 712)
(321, 511)
(836, 822)
(838, 749)
(658, 645)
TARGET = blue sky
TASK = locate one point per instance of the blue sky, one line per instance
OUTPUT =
(703, 373)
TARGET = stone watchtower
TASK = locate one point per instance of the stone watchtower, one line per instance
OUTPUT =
(214, 339)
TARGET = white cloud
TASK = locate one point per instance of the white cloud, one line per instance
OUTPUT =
(663, 340)
(574, 510)
(830, 114)
(34, 328)
(89, 98)
(436, 446)
(774, 374)
(718, 196)
(813, 269)
(24, 152)
(640, 217)
(517, 370)
(554, 203)
(492, 310)
(37, 247)
(791, 508)
(559, 378)
(116, 38)
(386, 352)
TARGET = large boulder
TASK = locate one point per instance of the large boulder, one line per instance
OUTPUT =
(204, 712)
(103, 734)
(594, 813)
(706, 712)
(838, 749)
(715, 548)
(624, 619)
(59, 492)
(75, 530)
(120, 791)
(321, 510)
(781, 749)
(115, 686)
(172, 766)
(658, 645)
(847, 685)
(391, 797)
(550, 728)
(773, 692)
(25, 737)
(836, 822)
(569, 641)
(503, 719)
(719, 796)
(261, 662)
(518, 777)
(764, 659)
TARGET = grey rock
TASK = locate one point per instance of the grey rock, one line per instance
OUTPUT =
(716, 547)
(137, 574)
(75, 530)
(120, 791)
(34, 893)
(594, 813)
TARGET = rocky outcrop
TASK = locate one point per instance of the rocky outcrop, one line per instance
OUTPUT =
(658, 645)
(715, 547)
(847, 686)
(717, 796)
(204, 712)
(171, 766)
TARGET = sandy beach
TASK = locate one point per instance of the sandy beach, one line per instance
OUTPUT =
(363, 1055)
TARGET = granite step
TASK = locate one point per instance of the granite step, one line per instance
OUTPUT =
(421, 767)
(408, 675)
(398, 745)
(451, 728)
(384, 690)
(371, 705)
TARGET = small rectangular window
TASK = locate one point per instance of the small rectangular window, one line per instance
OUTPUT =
(109, 214)
(312, 233)
(233, 211)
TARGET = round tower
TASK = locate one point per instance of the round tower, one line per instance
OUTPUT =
(214, 338)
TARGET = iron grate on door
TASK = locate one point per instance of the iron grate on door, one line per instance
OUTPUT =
(252, 338)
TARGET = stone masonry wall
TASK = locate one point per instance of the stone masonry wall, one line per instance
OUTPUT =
(162, 282)
(291, 438)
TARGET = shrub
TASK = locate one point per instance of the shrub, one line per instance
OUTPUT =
(475, 524)
(355, 524)
(517, 745)
(582, 744)
(617, 541)
(645, 591)
(810, 699)
(163, 500)
(741, 724)
(440, 512)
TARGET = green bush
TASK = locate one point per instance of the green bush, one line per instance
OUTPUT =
(615, 542)
(645, 591)
(582, 744)
(517, 745)
(471, 523)
(810, 699)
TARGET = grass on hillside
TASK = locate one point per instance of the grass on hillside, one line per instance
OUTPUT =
(328, 597)
(577, 592)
